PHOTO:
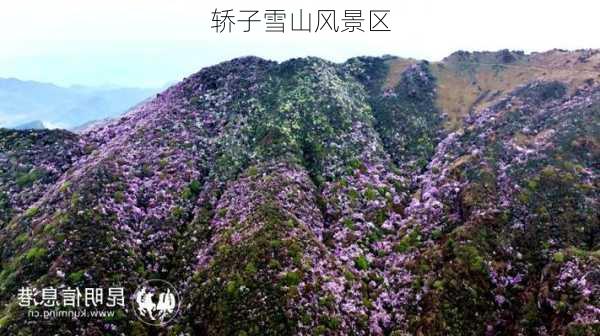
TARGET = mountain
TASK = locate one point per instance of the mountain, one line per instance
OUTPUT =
(36, 124)
(22, 102)
(380, 196)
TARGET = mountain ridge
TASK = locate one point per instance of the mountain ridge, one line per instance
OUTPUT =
(63, 107)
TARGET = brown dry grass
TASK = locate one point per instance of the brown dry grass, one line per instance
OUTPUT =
(396, 68)
(469, 87)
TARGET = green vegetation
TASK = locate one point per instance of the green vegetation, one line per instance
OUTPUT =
(76, 277)
(361, 263)
(35, 253)
(27, 179)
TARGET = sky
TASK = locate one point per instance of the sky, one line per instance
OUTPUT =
(149, 43)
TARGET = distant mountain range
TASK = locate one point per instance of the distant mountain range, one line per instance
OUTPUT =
(32, 125)
(42, 104)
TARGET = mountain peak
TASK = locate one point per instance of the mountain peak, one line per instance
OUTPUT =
(377, 196)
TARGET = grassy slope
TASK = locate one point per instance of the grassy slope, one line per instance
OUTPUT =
(472, 81)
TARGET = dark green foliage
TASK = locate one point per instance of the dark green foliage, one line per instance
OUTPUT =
(542, 92)
(361, 263)
(407, 118)
(240, 280)
(26, 179)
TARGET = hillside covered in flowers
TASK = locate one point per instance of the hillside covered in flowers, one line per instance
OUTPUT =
(380, 196)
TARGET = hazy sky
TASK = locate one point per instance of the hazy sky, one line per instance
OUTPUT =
(152, 42)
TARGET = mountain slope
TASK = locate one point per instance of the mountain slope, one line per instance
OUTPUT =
(308, 197)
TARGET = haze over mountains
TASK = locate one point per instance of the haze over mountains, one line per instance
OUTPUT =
(379, 196)
(28, 103)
